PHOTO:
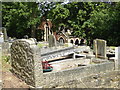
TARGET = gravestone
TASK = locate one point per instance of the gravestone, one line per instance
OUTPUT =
(0, 66)
(5, 34)
(99, 47)
(117, 58)
(52, 40)
(5, 48)
(1, 36)
(26, 37)
(26, 61)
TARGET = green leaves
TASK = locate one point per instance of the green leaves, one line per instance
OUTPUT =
(88, 20)
(58, 15)
(19, 17)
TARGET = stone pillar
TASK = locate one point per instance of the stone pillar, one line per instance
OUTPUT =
(26, 61)
(0, 66)
(45, 32)
(38, 71)
(95, 47)
(117, 58)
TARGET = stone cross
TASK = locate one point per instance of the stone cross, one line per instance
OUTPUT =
(117, 58)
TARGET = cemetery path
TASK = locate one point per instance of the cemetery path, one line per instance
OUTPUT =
(11, 81)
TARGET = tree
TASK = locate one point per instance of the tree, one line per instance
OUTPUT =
(79, 18)
(58, 15)
(105, 20)
(20, 18)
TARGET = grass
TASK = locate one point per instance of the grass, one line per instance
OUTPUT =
(113, 47)
(40, 45)
(5, 63)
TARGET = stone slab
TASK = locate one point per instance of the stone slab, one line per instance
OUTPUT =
(117, 58)
(61, 52)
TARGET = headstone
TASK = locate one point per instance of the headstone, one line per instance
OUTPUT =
(5, 34)
(117, 58)
(52, 40)
(1, 36)
(61, 41)
(99, 47)
(5, 48)
(0, 67)
(26, 61)
(26, 37)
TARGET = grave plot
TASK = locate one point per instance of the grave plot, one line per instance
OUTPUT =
(68, 58)
(27, 58)
(73, 57)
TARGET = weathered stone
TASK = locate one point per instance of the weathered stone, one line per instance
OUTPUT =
(51, 40)
(5, 34)
(117, 58)
(25, 61)
(26, 64)
(1, 36)
(0, 66)
(99, 47)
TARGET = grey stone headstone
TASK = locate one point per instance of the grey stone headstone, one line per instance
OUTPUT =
(52, 40)
(117, 58)
(0, 67)
(5, 34)
(5, 48)
(100, 48)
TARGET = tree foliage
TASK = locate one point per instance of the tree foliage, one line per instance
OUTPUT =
(88, 20)
(20, 18)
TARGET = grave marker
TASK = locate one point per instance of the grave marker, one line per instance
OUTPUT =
(52, 40)
(99, 48)
(0, 67)
(5, 34)
(117, 58)
(26, 61)
(1, 36)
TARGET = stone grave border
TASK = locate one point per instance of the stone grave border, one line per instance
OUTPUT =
(26, 64)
